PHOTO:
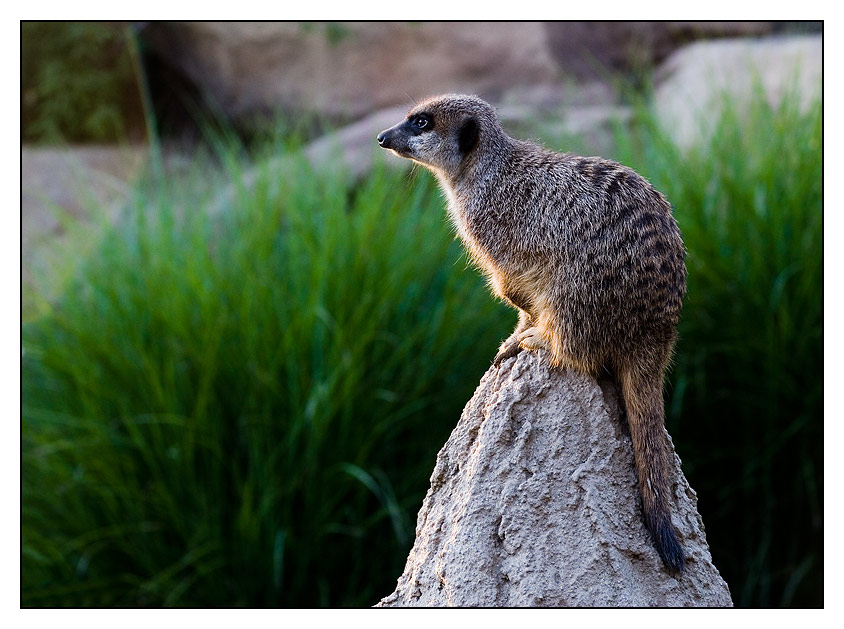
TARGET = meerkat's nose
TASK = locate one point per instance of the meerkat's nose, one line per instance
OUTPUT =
(382, 139)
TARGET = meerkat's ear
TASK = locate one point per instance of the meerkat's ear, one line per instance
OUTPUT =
(467, 136)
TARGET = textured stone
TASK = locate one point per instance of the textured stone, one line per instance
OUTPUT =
(534, 502)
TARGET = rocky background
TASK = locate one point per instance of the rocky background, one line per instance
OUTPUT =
(347, 71)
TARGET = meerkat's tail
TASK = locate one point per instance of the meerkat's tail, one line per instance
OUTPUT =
(642, 393)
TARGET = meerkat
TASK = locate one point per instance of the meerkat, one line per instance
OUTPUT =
(584, 248)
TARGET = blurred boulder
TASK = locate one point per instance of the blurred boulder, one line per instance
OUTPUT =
(353, 148)
(592, 49)
(62, 187)
(534, 502)
(348, 70)
(692, 84)
(71, 182)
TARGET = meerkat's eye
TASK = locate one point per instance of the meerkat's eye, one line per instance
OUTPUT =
(421, 122)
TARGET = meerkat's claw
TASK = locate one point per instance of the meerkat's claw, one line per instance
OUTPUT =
(509, 348)
(532, 339)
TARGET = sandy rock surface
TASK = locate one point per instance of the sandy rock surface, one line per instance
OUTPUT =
(533, 502)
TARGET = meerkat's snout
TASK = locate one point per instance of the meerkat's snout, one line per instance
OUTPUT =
(395, 139)
(403, 138)
(384, 139)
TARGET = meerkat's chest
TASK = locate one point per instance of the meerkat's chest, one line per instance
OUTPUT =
(455, 215)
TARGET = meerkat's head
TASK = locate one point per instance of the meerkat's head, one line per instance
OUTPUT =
(443, 132)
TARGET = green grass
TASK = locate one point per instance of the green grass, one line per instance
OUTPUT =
(238, 399)
(245, 409)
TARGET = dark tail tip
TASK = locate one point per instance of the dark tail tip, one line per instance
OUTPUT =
(668, 547)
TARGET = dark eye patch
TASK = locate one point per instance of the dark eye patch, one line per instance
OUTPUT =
(420, 123)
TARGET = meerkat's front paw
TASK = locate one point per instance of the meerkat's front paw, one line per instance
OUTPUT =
(508, 349)
(532, 339)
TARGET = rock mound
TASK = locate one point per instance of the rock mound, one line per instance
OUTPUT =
(533, 502)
